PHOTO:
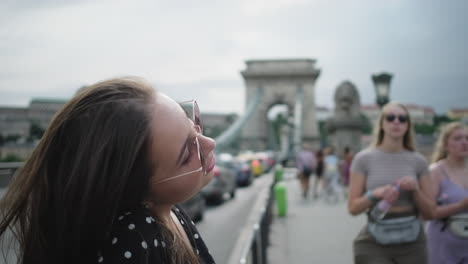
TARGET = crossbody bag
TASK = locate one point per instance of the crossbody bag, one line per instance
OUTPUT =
(395, 230)
(457, 225)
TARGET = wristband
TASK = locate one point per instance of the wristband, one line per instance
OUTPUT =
(371, 197)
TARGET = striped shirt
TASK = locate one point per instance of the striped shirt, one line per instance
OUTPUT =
(381, 168)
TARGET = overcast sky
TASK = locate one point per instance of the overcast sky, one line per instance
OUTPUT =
(196, 49)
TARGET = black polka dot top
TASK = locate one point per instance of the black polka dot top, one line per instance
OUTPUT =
(136, 238)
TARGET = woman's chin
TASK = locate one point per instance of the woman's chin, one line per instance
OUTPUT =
(208, 177)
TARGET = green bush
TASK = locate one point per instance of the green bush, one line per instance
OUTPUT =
(424, 129)
(10, 157)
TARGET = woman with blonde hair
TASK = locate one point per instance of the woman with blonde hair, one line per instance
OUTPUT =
(103, 183)
(390, 170)
(449, 172)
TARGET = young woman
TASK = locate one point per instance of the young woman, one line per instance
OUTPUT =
(449, 172)
(318, 183)
(331, 175)
(346, 165)
(305, 162)
(102, 184)
(375, 174)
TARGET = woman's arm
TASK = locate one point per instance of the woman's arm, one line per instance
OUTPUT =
(358, 202)
(443, 211)
(423, 188)
(422, 196)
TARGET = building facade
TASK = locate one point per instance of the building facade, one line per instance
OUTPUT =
(458, 113)
(14, 121)
(419, 114)
(42, 110)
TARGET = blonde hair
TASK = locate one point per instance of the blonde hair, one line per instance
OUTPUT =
(447, 130)
(408, 138)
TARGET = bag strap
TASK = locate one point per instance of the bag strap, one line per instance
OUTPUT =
(445, 220)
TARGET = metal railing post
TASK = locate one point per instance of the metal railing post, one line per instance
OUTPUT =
(251, 246)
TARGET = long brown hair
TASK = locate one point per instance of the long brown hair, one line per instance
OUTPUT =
(447, 130)
(92, 164)
(408, 138)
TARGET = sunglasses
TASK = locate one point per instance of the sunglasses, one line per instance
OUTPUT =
(199, 127)
(392, 117)
(192, 106)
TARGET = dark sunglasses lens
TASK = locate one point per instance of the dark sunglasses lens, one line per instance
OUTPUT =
(196, 116)
(402, 119)
(390, 118)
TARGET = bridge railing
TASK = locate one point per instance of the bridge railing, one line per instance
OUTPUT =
(253, 240)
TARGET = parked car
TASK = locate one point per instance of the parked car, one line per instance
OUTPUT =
(267, 159)
(241, 169)
(222, 184)
(257, 167)
(244, 175)
(195, 207)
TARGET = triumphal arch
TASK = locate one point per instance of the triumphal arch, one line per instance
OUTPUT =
(288, 82)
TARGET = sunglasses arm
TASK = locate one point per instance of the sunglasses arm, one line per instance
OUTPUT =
(183, 174)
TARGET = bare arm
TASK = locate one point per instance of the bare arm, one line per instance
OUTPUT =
(425, 204)
(443, 211)
(358, 202)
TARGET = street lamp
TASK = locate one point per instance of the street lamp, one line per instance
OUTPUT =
(382, 87)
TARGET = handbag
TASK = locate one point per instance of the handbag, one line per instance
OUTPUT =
(458, 225)
(395, 230)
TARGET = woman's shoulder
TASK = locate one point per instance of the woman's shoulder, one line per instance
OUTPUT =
(138, 224)
(434, 169)
(365, 153)
(180, 212)
(134, 236)
(136, 219)
(415, 154)
(193, 234)
(417, 157)
(186, 222)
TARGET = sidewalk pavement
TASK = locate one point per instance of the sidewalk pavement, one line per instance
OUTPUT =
(314, 230)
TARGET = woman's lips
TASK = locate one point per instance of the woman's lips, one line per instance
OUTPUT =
(211, 164)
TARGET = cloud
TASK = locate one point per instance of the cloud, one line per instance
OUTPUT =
(53, 48)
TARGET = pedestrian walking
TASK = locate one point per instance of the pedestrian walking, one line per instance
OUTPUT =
(346, 165)
(102, 184)
(306, 164)
(318, 182)
(447, 234)
(331, 175)
(391, 170)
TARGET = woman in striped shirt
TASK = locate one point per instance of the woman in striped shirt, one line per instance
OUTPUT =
(393, 171)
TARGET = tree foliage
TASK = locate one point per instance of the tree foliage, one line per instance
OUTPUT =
(10, 157)
(36, 131)
(368, 125)
(424, 129)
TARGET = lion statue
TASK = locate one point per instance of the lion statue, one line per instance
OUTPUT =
(347, 101)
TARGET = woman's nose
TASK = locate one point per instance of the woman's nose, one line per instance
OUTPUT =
(208, 144)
